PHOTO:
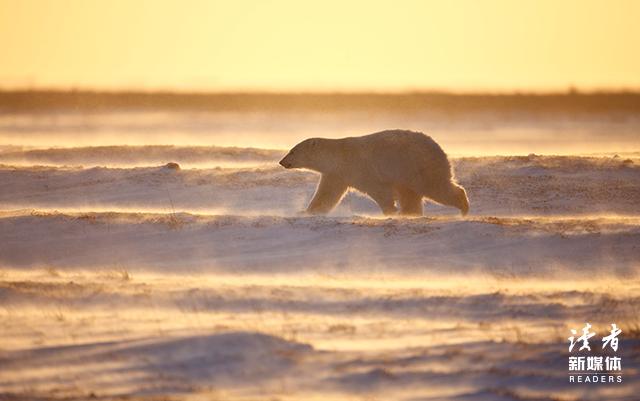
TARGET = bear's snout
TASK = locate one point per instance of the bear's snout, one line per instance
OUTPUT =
(284, 163)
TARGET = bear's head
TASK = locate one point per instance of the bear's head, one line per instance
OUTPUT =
(307, 154)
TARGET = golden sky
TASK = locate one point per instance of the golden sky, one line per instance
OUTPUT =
(463, 45)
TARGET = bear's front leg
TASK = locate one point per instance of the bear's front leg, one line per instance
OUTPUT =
(328, 194)
(383, 196)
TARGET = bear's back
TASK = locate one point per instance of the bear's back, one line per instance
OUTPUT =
(404, 139)
(401, 155)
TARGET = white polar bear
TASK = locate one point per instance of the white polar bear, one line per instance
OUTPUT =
(389, 165)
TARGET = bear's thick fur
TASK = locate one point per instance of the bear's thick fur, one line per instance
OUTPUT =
(388, 166)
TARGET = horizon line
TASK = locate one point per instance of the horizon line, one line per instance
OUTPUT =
(571, 90)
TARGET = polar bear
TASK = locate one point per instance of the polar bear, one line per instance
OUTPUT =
(387, 166)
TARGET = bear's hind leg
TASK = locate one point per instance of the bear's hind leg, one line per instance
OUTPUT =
(327, 196)
(410, 202)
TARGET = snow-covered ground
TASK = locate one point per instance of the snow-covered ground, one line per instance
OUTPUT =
(121, 278)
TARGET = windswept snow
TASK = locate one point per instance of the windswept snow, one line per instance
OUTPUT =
(123, 279)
